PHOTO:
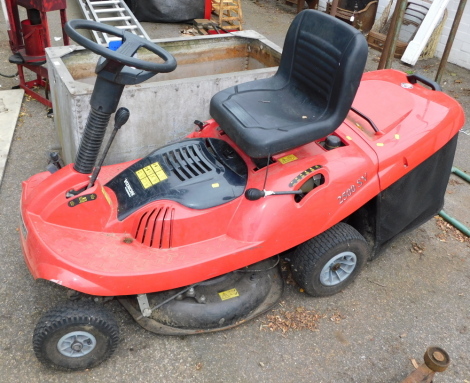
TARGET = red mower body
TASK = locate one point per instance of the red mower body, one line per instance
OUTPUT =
(383, 183)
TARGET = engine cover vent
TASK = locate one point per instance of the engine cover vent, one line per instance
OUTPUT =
(187, 162)
(196, 173)
(155, 228)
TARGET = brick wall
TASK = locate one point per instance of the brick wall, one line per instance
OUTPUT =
(460, 53)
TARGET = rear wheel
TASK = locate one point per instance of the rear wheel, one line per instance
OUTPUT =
(327, 263)
(75, 336)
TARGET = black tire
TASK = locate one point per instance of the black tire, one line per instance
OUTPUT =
(342, 242)
(87, 333)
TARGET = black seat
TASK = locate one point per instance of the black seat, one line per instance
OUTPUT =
(308, 97)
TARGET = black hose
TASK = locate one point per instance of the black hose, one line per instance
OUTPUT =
(9, 75)
(91, 141)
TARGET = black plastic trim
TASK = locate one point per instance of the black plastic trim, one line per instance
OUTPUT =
(414, 78)
(197, 173)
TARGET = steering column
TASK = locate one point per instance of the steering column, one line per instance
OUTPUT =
(115, 69)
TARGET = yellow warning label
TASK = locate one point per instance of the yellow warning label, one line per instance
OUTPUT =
(229, 294)
(151, 175)
(106, 195)
(146, 183)
(216, 185)
(82, 199)
(287, 159)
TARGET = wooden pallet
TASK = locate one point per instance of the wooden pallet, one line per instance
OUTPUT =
(228, 13)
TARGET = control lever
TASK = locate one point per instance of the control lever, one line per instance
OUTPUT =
(120, 118)
(255, 194)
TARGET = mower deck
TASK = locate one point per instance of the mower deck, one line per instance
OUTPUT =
(214, 305)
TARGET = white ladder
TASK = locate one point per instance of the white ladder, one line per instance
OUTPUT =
(111, 12)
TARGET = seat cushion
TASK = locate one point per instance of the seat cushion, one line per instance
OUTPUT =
(265, 122)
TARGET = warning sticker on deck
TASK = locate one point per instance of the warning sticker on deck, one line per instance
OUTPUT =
(287, 159)
(82, 199)
(228, 294)
(151, 175)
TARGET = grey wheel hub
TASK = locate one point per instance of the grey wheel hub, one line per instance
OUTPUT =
(338, 268)
(76, 344)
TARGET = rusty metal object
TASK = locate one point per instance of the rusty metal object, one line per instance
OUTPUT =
(376, 40)
(435, 360)
(43, 6)
(362, 20)
(29, 38)
(392, 36)
(334, 8)
(230, 57)
(311, 4)
(450, 40)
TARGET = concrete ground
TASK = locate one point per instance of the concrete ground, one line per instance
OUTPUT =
(415, 295)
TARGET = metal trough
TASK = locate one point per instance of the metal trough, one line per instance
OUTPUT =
(162, 109)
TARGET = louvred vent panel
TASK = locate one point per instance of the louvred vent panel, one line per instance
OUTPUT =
(155, 227)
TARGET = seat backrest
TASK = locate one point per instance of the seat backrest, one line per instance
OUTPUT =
(308, 98)
(325, 59)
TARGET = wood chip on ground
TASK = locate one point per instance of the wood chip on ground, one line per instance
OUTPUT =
(299, 319)
(449, 231)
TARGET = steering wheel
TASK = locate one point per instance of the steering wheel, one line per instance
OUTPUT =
(123, 55)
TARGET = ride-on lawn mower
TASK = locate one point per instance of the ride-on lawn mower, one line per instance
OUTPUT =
(315, 162)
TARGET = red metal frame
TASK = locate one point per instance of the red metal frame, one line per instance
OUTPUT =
(40, 81)
(19, 46)
(208, 9)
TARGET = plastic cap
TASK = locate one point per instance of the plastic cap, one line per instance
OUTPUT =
(114, 45)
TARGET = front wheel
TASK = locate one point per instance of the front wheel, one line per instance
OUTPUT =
(327, 263)
(75, 336)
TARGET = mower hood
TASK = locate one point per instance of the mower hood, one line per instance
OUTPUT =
(197, 173)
